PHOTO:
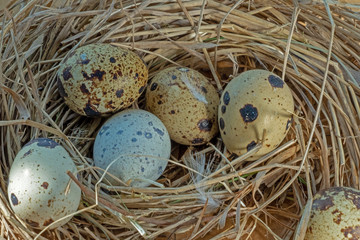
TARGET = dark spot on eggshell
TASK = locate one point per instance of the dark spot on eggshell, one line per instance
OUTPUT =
(133, 139)
(90, 110)
(119, 132)
(159, 102)
(324, 202)
(85, 61)
(173, 77)
(84, 89)
(50, 201)
(172, 112)
(160, 170)
(141, 89)
(205, 125)
(275, 81)
(61, 89)
(112, 60)
(85, 75)
(150, 123)
(43, 142)
(119, 73)
(14, 199)
(131, 99)
(119, 93)
(136, 76)
(27, 153)
(32, 223)
(250, 146)
(226, 98)
(223, 109)
(114, 76)
(66, 73)
(249, 113)
(351, 232)
(197, 140)
(221, 123)
(153, 86)
(48, 222)
(353, 196)
(103, 130)
(148, 135)
(139, 133)
(142, 169)
(98, 74)
(158, 131)
(45, 185)
(337, 216)
(203, 89)
(109, 105)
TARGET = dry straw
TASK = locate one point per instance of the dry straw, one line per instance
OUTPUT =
(204, 193)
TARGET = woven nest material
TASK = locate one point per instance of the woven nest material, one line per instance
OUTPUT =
(315, 47)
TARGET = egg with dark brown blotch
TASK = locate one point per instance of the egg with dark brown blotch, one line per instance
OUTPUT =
(186, 102)
(335, 215)
(256, 106)
(100, 79)
(40, 191)
(136, 144)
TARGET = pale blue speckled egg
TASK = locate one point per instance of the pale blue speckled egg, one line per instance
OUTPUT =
(138, 142)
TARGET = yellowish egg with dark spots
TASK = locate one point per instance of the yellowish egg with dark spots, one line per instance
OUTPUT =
(186, 102)
(255, 107)
(335, 215)
(100, 79)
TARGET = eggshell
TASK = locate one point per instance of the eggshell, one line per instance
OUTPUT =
(99, 79)
(186, 103)
(335, 215)
(254, 104)
(140, 143)
(38, 183)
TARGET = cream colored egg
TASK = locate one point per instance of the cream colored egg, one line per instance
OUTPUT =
(186, 103)
(256, 106)
(335, 215)
(39, 191)
(99, 79)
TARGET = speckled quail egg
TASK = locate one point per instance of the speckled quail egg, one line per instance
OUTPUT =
(38, 184)
(255, 104)
(186, 103)
(335, 215)
(140, 144)
(99, 79)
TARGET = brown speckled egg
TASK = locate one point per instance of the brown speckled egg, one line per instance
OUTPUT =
(99, 79)
(186, 103)
(335, 215)
(253, 102)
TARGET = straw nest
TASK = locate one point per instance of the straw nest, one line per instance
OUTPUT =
(313, 46)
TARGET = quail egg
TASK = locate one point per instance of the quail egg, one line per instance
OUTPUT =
(254, 105)
(38, 189)
(186, 103)
(140, 144)
(335, 215)
(99, 79)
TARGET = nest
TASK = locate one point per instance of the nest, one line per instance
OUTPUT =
(313, 46)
